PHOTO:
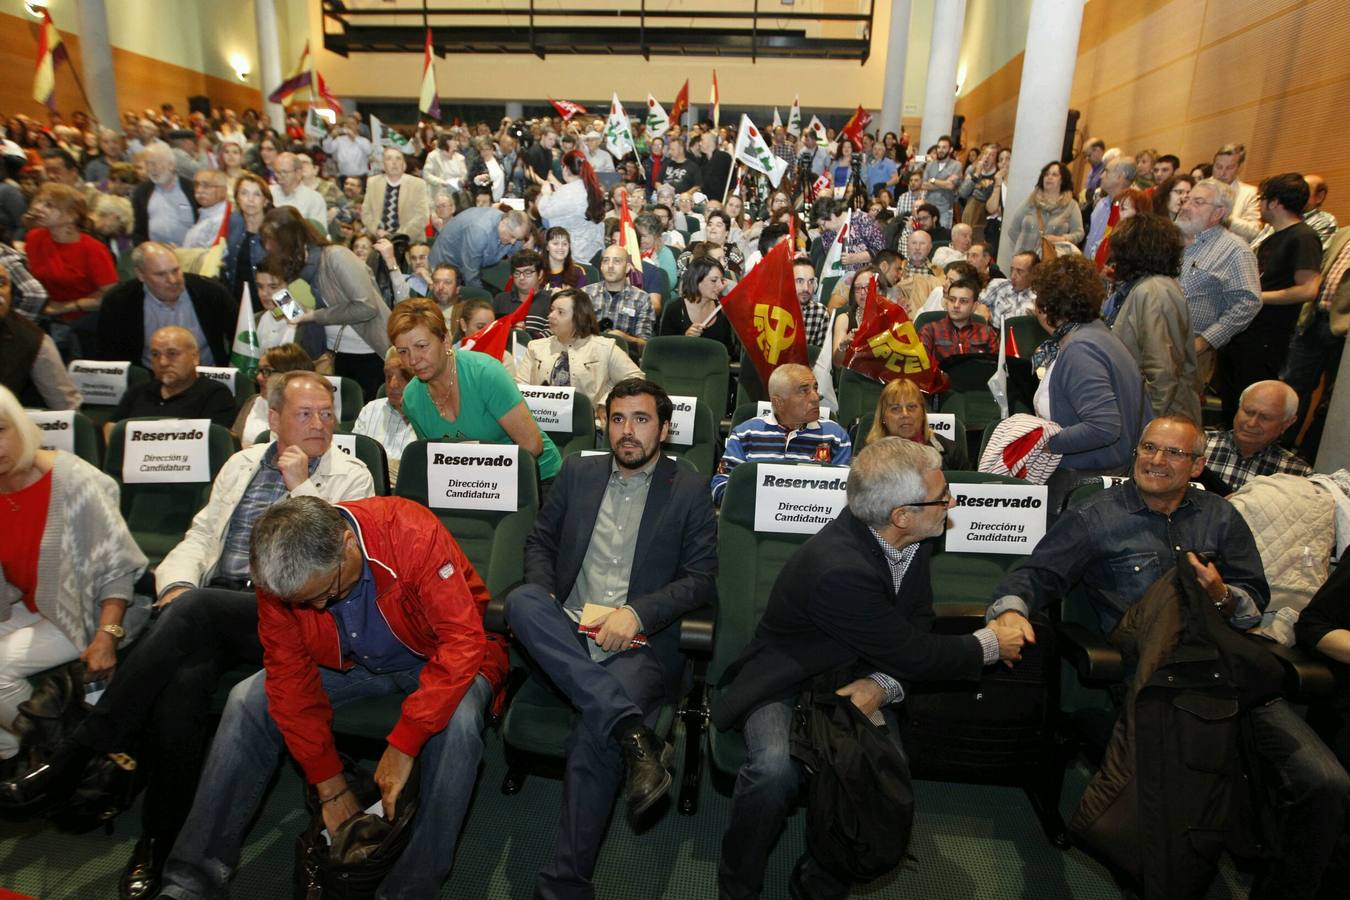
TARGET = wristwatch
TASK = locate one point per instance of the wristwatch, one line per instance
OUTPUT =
(116, 631)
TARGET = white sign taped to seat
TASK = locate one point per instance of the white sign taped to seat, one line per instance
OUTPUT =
(798, 499)
(997, 518)
(166, 451)
(473, 476)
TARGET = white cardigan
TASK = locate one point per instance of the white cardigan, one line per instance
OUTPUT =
(596, 363)
(193, 561)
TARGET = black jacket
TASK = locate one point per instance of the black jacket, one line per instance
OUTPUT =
(833, 606)
(140, 207)
(675, 566)
(121, 321)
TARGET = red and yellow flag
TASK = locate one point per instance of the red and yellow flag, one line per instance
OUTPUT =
(886, 347)
(766, 315)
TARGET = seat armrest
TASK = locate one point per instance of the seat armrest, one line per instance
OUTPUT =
(696, 631)
(1306, 676)
(494, 619)
(1092, 656)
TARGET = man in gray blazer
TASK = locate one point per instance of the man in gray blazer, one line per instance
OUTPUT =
(631, 540)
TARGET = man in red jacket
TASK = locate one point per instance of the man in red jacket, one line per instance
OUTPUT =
(357, 600)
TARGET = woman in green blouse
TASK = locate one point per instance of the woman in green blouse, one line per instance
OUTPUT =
(462, 395)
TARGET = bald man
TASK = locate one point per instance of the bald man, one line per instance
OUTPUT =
(792, 432)
(291, 191)
(163, 294)
(177, 391)
(1266, 409)
(1316, 218)
(210, 188)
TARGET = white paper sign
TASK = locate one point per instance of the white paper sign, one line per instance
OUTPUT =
(101, 383)
(550, 406)
(943, 424)
(472, 476)
(226, 375)
(798, 499)
(57, 427)
(682, 420)
(997, 518)
(336, 382)
(346, 443)
(764, 407)
(1110, 481)
(166, 450)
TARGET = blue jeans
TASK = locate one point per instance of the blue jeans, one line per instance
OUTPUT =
(247, 748)
(766, 788)
(1312, 792)
(626, 684)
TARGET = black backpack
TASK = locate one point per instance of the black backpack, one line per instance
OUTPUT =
(860, 804)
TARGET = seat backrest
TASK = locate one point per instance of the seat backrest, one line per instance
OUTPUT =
(470, 292)
(494, 541)
(495, 277)
(372, 453)
(968, 579)
(352, 400)
(701, 454)
(1027, 334)
(582, 435)
(158, 515)
(858, 396)
(690, 366)
(744, 412)
(924, 318)
(743, 587)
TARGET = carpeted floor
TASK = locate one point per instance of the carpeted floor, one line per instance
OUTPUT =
(969, 842)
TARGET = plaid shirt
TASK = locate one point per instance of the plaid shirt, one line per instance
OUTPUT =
(863, 234)
(904, 211)
(1222, 286)
(815, 317)
(1332, 284)
(1004, 301)
(785, 153)
(630, 311)
(266, 487)
(943, 339)
(29, 296)
(1227, 462)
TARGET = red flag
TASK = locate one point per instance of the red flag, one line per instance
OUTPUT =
(818, 187)
(628, 238)
(493, 337)
(681, 103)
(715, 101)
(329, 99)
(765, 312)
(856, 125)
(886, 346)
(1010, 343)
(567, 109)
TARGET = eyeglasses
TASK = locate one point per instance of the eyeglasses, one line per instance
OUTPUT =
(944, 500)
(326, 598)
(1193, 200)
(1175, 454)
(302, 416)
(266, 371)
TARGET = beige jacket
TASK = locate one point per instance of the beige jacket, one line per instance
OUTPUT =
(1154, 324)
(596, 364)
(414, 208)
(194, 560)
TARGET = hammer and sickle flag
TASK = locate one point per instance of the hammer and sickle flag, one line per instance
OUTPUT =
(764, 311)
(886, 346)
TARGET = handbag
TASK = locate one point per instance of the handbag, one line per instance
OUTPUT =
(326, 364)
(365, 847)
(1047, 246)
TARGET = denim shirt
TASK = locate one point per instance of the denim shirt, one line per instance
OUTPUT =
(1117, 547)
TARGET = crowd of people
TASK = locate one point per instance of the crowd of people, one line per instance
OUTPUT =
(1165, 299)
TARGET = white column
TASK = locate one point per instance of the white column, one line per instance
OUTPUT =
(893, 88)
(269, 59)
(96, 64)
(1042, 101)
(939, 96)
(1334, 451)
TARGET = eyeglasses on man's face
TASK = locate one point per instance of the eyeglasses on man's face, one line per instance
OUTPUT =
(1148, 450)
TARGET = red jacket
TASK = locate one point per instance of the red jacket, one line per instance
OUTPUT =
(433, 600)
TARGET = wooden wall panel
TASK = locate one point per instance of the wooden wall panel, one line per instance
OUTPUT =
(1186, 76)
(141, 80)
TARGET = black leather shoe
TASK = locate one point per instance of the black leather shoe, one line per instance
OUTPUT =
(141, 878)
(646, 757)
(47, 783)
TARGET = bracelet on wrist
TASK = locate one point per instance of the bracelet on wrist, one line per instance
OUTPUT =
(346, 790)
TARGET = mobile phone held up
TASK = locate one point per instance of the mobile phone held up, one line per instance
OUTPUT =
(288, 305)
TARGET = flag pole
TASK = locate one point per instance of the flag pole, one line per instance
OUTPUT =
(731, 173)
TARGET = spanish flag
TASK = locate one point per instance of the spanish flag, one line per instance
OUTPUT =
(429, 101)
(299, 79)
(50, 51)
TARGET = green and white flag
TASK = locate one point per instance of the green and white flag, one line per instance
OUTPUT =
(833, 267)
(818, 128)
(387, 137)
(245, 352)
(777, 119)
(794, 125)
(316, 125)
(618, 132)
(752, 150)
(658, 123)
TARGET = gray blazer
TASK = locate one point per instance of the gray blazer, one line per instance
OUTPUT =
(352, 298)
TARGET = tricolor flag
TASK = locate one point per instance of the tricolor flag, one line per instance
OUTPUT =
(245, 353)
(681, 103)
(429, 101)
(752, 150)
(618, 131)
(658, 123)
(628, 238)
(794, 125)
(817, 128)
(299, 79)
(567, 109)
(715, 101)
(385, 136)
(50, 51)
